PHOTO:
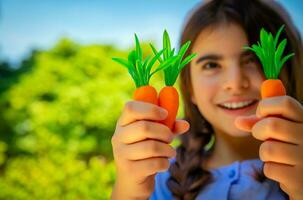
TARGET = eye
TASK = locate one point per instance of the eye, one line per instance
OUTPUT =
(250, 61)
(210, 65)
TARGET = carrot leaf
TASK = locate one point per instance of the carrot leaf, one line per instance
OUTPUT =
(139, 68)
(176, 61)
(270, 53)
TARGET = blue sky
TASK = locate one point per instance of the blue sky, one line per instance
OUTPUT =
(28, 24)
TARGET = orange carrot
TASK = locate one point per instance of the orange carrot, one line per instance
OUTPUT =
(272, 87)
(140, 71)
(168, 96)
(270, 53)
(147, 94)
(169, 100)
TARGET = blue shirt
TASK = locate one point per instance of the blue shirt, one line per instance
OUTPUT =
(234, 181)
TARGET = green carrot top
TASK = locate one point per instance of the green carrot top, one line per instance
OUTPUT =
(270, 53)
(172, 71)
(139, 68)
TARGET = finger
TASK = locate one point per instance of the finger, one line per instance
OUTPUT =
(181, 126)
(285, 106)
(279, 152)
(245, 123)
(150, 166)
(148, 149)
(278, 129)
(137, 110)
(279, 172)
(142, 130)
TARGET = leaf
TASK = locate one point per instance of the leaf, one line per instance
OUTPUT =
(187, 60)
(183, 49)
(263, 38)
(172, 52)
(279, 52)
(285, 59)
(138, 48)
(278, 35)
(155, 52)
(144, 66)
(165, 64)
(154, 59)
(132, 57)
(122, 62)
(166, 45)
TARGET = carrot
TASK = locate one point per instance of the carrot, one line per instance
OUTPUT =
(147, 94)
(168, 96)
(272, 87)
(169, 100)
(140, 71)
(270, 53)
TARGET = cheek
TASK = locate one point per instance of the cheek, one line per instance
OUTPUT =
(256, 77)
(204, 90)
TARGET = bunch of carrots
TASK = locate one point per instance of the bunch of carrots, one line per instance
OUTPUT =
(270, 53)
(170, 63)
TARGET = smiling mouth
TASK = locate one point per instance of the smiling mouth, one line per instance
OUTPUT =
(238, 106)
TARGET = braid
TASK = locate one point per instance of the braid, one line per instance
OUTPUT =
(187, 175)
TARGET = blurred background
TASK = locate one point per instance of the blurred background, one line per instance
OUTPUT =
(61, 94)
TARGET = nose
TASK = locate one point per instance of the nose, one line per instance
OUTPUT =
(235, 80)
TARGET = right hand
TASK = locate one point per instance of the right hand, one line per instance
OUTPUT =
(141, 149)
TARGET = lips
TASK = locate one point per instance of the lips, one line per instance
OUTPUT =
(238, 106)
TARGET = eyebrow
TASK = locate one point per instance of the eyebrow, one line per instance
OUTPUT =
(246, 53)
(209, 57)
(220, 57)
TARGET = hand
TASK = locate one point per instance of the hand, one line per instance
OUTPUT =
(279, 123)
(141, 149)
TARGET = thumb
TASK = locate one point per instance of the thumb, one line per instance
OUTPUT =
(180, 126)
(245, 123)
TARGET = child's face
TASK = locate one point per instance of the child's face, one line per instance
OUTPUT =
(224, 72)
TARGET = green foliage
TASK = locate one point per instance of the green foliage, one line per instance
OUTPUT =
(140, 68)
(270, 53)
(172, 71)
(58, 113)
(67, 100)
(57, 176)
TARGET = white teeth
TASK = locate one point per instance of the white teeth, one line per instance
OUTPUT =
(236, 105)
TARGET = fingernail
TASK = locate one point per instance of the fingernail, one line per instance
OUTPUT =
(163, 113)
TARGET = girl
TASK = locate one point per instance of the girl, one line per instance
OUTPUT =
(218, 157)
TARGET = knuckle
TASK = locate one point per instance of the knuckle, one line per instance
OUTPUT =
(265, 150)
(169, 135)
(287, 102)
(153, 146)
(164, 164)
(144, 126)
(161, 164)
(116, 136)
(155, 111)
(129, 107)
(272, 125)
(113, 140)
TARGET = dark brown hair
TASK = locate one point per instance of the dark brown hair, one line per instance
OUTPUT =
(187, 177)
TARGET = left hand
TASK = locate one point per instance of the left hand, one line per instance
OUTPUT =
(279, 124)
